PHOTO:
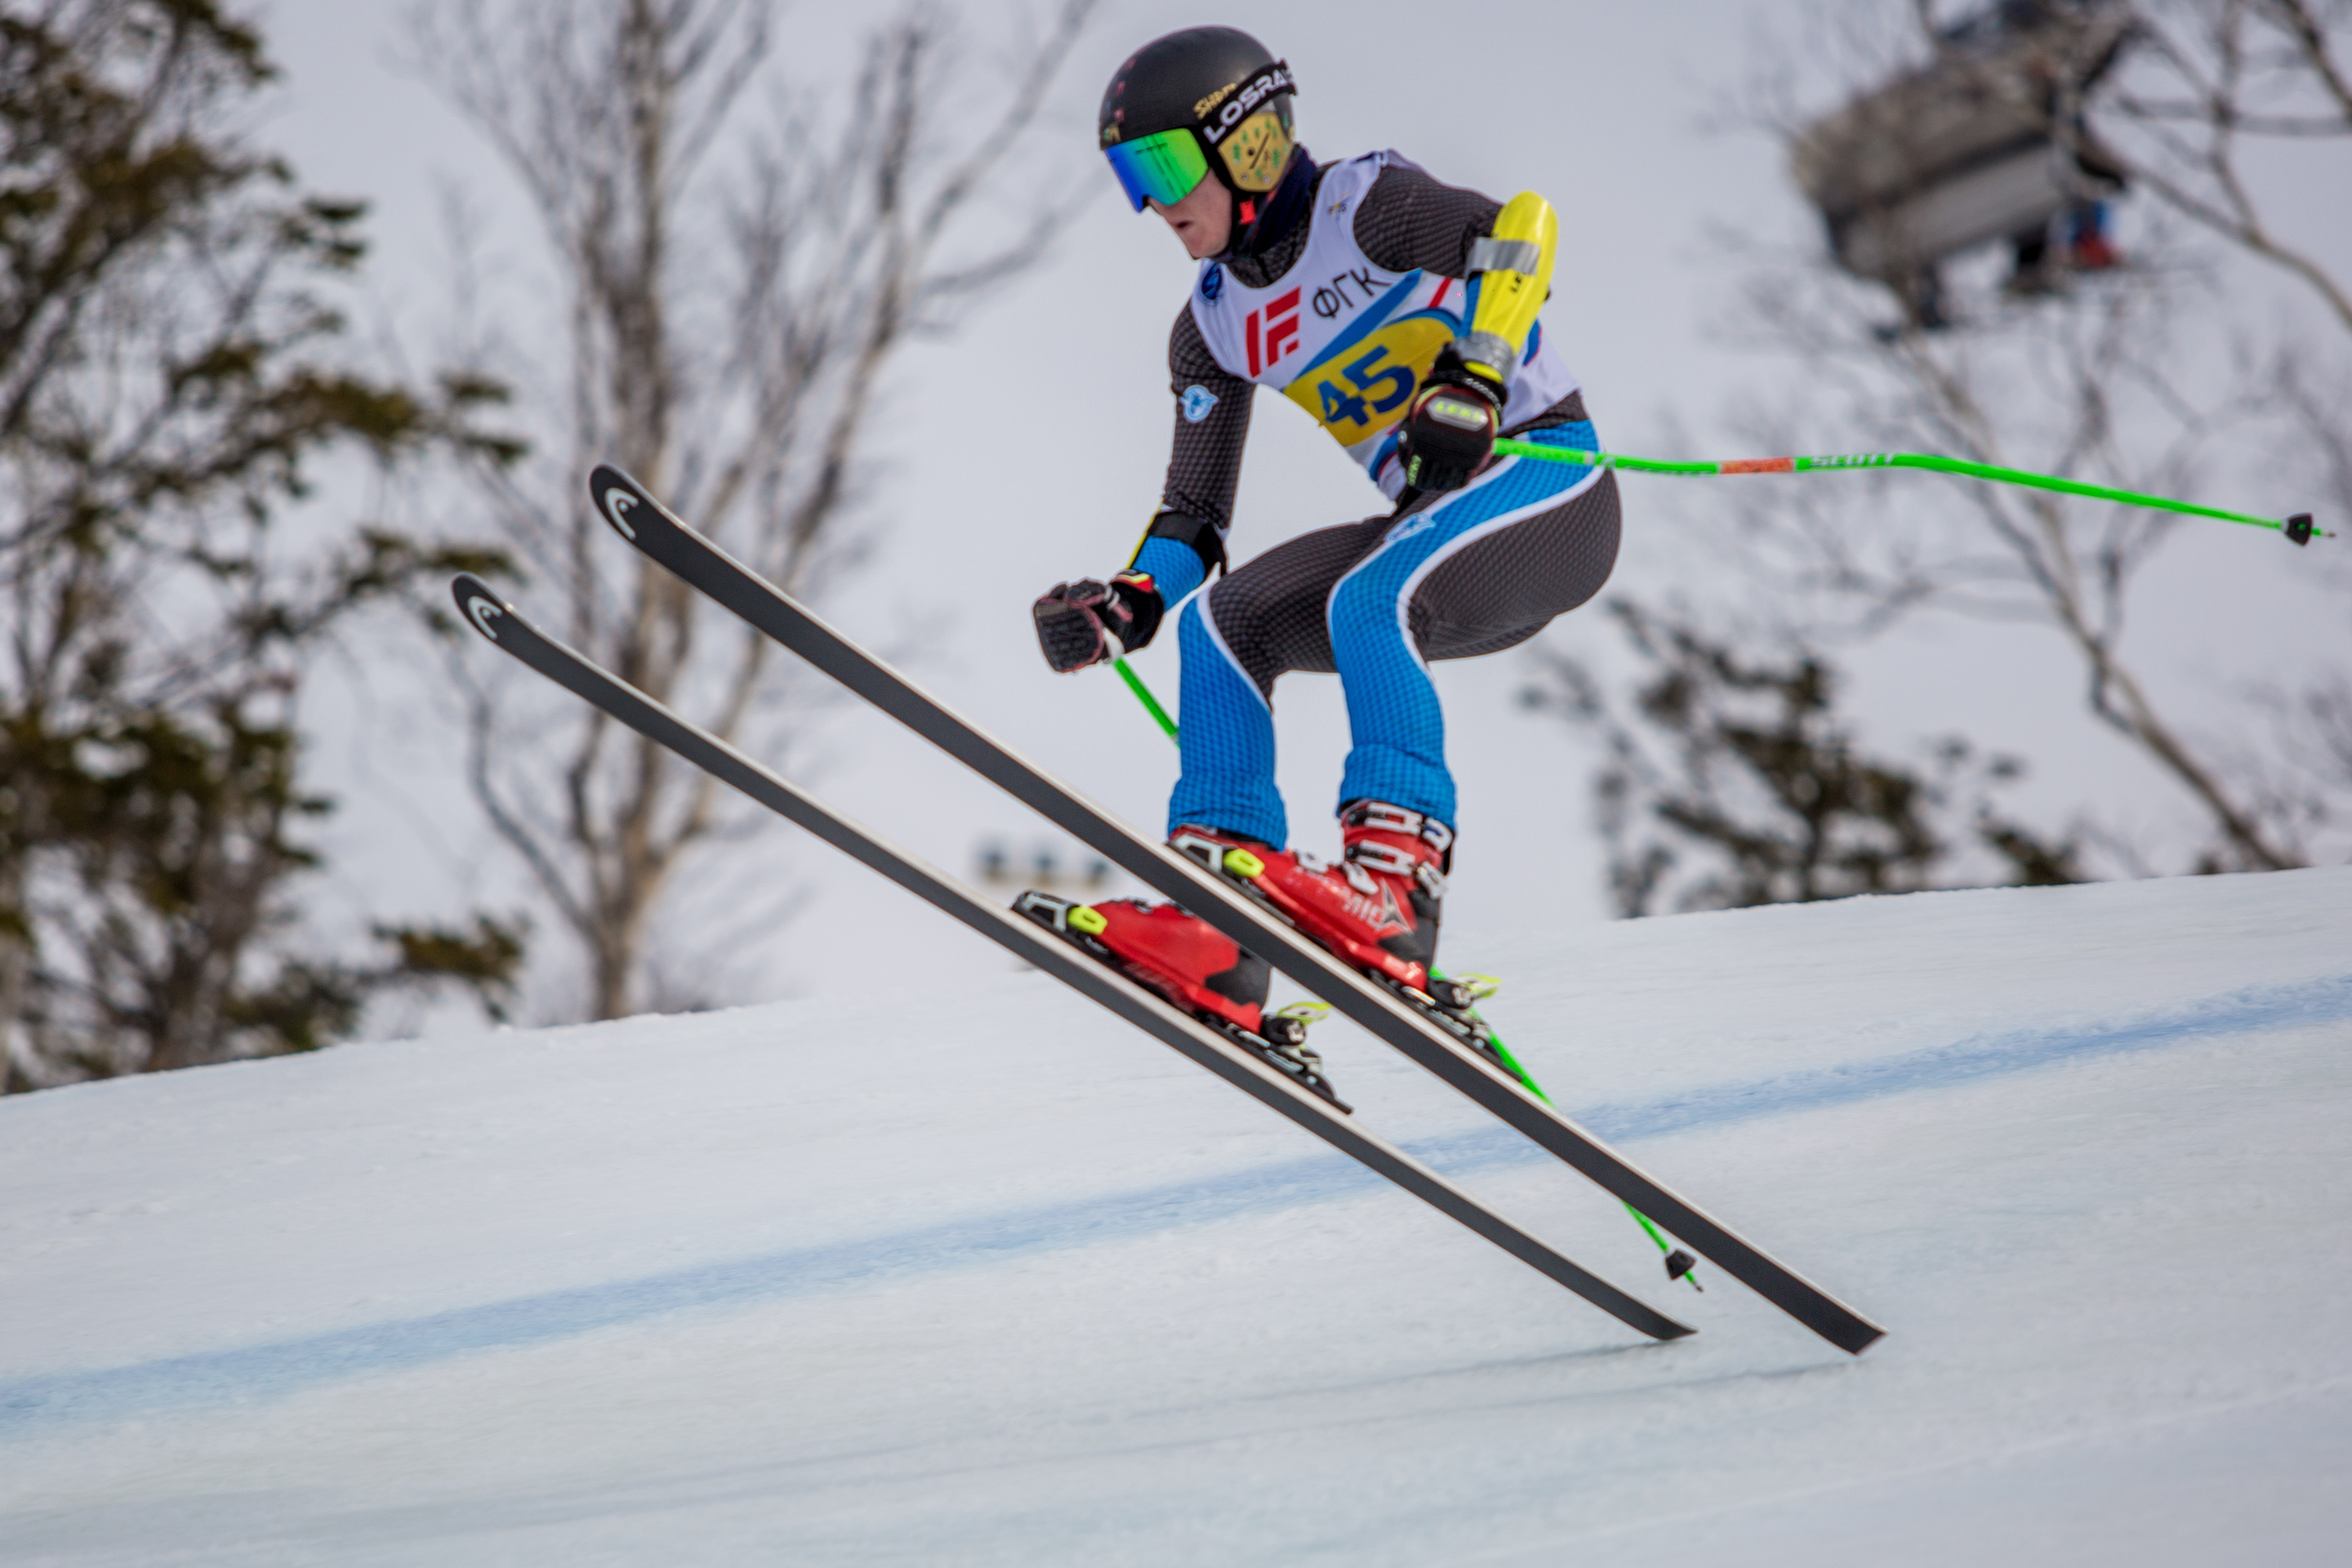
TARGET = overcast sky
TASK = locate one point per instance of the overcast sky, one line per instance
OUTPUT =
(1608, 109)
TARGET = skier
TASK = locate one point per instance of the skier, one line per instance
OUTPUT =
(1400, 314)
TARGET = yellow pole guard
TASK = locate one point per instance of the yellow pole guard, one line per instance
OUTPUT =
(1509, 296)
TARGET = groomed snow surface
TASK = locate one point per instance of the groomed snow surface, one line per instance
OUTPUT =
(988, 1278)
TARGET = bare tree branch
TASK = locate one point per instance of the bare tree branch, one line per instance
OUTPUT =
(2085, 381)
(2200, 81)
(735, 295)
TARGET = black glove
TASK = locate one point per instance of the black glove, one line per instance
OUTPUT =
(1086, 622)
(1449, 431)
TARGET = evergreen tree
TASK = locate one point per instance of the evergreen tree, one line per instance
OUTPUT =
(1734, 782)
(166, 379)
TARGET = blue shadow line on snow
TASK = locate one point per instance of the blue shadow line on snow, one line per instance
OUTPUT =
(2253, 1011)
(289, 1366)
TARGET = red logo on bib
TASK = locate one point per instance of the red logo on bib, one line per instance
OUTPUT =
(1268, 340)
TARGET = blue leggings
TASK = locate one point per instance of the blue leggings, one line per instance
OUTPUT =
(1479, 569)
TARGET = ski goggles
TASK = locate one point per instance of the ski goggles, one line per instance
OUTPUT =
(1164, 167)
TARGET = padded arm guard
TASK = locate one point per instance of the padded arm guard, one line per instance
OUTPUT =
(1510, 272)
(1200, 537)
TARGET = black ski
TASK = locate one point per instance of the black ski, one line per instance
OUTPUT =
(1245, 1069)
(652, 528)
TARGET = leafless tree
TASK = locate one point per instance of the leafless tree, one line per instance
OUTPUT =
(2083, 390)
(2206, 79)
(2214, 83)
(735, 287)
(2085, 381)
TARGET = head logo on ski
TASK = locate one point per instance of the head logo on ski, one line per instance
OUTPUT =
(617, 505)
(483, 611)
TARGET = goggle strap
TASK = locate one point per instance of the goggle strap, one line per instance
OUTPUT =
(1244, 100)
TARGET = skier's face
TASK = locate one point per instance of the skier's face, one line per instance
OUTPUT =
(1202, 220)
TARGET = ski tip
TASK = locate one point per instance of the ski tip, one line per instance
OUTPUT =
(479, 603)
(618, 499)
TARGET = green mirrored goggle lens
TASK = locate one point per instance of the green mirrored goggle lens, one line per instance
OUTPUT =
(1163, 168)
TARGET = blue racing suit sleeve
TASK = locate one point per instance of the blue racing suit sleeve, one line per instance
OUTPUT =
(1176, 568)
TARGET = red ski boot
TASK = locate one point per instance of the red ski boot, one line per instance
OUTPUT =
(1377, 908)
(1182, 957)
(1187, 960)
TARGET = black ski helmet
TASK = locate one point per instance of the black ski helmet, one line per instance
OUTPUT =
(1221, 87)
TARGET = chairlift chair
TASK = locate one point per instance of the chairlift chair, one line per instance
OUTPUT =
(1984, 142)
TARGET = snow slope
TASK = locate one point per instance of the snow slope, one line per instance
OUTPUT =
(987, 1278)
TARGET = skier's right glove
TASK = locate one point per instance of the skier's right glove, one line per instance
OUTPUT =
(1448, 432)
(1086, 622)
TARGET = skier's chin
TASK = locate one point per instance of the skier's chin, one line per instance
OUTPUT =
(1194, 221)
(1198, 245)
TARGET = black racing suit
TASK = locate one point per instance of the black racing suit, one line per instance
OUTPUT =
(1498, 560)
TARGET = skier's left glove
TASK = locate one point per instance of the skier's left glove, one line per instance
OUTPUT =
(1086, 622)
(1449, 431)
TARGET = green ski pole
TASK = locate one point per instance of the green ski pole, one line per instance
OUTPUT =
(2298, 528)
(1143, 695)
(1679, 1265)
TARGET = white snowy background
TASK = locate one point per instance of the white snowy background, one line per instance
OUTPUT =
(936, 1264)
(986, 1278)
